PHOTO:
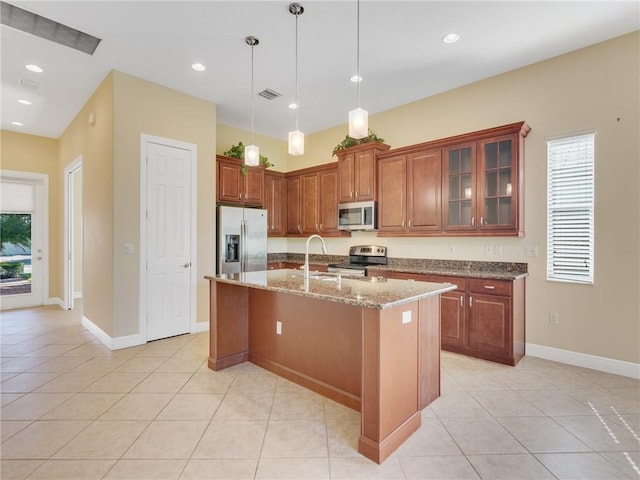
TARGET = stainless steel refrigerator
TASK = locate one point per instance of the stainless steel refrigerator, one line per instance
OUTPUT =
(242, 239)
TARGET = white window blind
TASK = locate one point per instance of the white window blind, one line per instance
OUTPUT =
(570, 192)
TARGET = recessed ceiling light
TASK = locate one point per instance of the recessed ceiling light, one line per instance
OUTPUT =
(34, 68)
(293, 106)
(356, 79)
(24, 102)
(451, 38)
(17, 124)
(198, 67)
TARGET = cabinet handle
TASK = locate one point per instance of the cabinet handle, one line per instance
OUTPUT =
(461, 302)
(299, 229)
(490, 287)
(471, 301)
(481, 221)
(402, 223)
(356, 196)
(350, 193)
(409, 223)
(321, 227)
(473, 221)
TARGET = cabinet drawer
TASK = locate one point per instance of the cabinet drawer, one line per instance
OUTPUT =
(457, 281)
(487, 286)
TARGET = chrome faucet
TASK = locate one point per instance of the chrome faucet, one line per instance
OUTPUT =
(306, 254)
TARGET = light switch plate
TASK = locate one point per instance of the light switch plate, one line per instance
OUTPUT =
(406, 317)
(531, 250)
(129, 249)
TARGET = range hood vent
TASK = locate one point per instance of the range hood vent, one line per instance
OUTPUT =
(28, 22)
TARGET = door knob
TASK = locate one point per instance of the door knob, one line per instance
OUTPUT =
(187, 265)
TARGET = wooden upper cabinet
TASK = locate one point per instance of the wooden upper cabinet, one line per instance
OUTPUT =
(236, 188)
(357, 180)
(409, 189)
(294, 205)
(275, 201)
(424, 191)
(312, 201)
(392, 193)
(471, 184)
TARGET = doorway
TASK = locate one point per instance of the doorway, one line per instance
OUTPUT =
(73, 233)
(24, 264)
(168, 237)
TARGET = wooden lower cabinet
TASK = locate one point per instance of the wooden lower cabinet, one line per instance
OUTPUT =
(483, 318)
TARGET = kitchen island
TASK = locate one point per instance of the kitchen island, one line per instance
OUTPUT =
(370, 343)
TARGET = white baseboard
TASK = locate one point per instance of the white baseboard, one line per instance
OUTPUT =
(603, 364)
(113, 343)
(200, 327)
(56, 301)
(77, 294)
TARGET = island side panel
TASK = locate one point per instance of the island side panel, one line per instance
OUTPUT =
(429, 350)
(229, 324)
(319, 346)
(390, 412)
(518, 302)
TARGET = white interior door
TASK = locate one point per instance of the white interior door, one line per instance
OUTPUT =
(23, 213)
(168, 243)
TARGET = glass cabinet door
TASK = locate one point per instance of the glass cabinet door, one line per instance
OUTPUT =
(498, 170)
(460, 187)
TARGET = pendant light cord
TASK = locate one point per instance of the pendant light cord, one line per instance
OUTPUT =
(252, 94)
(359, 79)
(297, 101)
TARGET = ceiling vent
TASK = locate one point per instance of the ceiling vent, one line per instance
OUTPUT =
(29, 84)
(25, 21)
(269, 94)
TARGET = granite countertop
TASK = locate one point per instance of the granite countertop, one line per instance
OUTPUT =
(455, 268)
(368, 292)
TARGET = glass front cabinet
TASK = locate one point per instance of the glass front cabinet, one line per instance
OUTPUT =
(482, 183)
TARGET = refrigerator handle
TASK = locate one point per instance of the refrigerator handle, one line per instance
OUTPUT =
(243, 241)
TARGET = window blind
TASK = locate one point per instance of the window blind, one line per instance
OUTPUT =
(570, 201)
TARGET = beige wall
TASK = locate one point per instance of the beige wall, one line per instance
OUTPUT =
(144, 107)
(593, 88)
(95, 144)
(29, 153)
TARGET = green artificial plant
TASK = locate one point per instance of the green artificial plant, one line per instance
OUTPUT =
(351, 142)
(237, 151)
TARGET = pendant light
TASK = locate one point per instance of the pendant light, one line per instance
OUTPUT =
(296, 138)
(358, 118)
(251, 152)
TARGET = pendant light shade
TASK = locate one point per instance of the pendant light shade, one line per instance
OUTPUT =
(358, 123)
(296, 143)
(251, 152)
(358, 118)
(296, 138)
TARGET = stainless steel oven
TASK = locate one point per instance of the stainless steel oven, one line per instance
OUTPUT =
(360, 257)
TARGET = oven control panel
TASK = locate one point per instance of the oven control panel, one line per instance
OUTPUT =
(368, 250)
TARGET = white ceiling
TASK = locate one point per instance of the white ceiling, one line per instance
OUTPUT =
(402, 57)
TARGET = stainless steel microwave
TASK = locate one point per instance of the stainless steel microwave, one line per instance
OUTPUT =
(357, 216)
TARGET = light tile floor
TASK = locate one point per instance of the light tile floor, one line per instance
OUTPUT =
(73, 409)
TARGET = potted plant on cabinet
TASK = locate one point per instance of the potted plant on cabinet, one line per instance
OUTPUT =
(352, 142)
(237, 151)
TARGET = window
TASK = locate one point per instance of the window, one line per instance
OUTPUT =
(570, 191)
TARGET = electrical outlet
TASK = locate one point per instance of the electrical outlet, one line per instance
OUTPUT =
(128, 248)
(554, 318)
(278, 328)
(531, 250)
(489, 250)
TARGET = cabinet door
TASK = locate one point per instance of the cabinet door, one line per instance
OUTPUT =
(310, 203)
(294, 220)
(329, 200)
(424, 207)
(274, 202)
(459, 187)
(364, 176)
(230, 182)
(346, 173)
(498, 183)
(254, 186)
(489, 324)
(452, 318)
(392, 193)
